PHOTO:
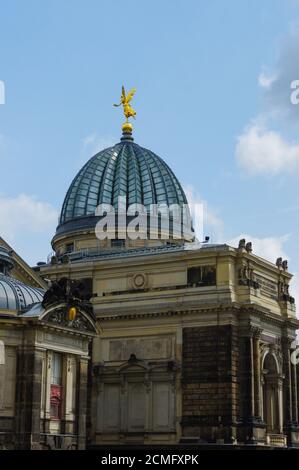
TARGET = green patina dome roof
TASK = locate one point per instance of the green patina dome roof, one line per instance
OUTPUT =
(126, 169)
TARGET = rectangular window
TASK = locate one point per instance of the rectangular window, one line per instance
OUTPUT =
(117, 243)
(56, 370)
(201, 276)
(56, 386)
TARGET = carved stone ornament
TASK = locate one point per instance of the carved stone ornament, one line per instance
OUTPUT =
(255, 331)
(246, 277)
(283, 292)
(59, 318)
(139, 281)
(69, 291)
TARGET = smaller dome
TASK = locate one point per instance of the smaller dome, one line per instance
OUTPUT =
(14, 295)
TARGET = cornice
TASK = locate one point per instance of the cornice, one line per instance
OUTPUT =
(260, 314)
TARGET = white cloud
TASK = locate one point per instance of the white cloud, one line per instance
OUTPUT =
(277, 85)
(25, 213)
(266, 79)
(28, 225)
(261, 150)
(205, 219)
(269, 248)
(94, 143)
(294, 287)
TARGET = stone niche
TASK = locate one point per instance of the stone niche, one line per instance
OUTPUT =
(144, 348)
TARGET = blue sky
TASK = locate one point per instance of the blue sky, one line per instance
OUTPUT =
(213, 85)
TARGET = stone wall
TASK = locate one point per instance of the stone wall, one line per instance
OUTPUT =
(209, 382)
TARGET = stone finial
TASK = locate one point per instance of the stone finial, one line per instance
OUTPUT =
(285, 265)
(279, 262)
(248, 247)
(242, 244)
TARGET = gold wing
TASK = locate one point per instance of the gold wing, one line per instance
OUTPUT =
(122, 98)
(131, 94)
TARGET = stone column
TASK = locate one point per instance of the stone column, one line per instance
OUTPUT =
(257, 372)
(124, 394)
(280, 403)
(247, 379)
(28, 402)
(294, 393)
(70, 376)
(287, 386)
(82, 402)
(252, 387)
(2, 374)
(148, 404)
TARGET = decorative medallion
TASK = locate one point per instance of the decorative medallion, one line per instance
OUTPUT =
(139, 281)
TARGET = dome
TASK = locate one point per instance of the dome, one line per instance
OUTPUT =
(126, 170)
(14, 294)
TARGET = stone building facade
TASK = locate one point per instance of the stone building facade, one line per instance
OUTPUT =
(178, 362)
(43, 366)
(173, 343)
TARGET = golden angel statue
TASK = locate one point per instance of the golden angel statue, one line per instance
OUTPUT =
(125, 102)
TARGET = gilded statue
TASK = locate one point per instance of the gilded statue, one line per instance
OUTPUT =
(125, 102)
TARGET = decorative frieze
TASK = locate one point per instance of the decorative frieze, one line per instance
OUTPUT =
(156, 347)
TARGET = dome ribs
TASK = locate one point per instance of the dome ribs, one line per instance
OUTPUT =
(120, 177)
(126, 169)
(134, 194)
(144, 174)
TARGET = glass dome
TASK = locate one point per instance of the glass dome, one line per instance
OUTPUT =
(126, 170)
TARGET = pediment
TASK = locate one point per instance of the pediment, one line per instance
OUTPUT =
(58, 316)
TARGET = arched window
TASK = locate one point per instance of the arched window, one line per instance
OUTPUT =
(271, 399)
